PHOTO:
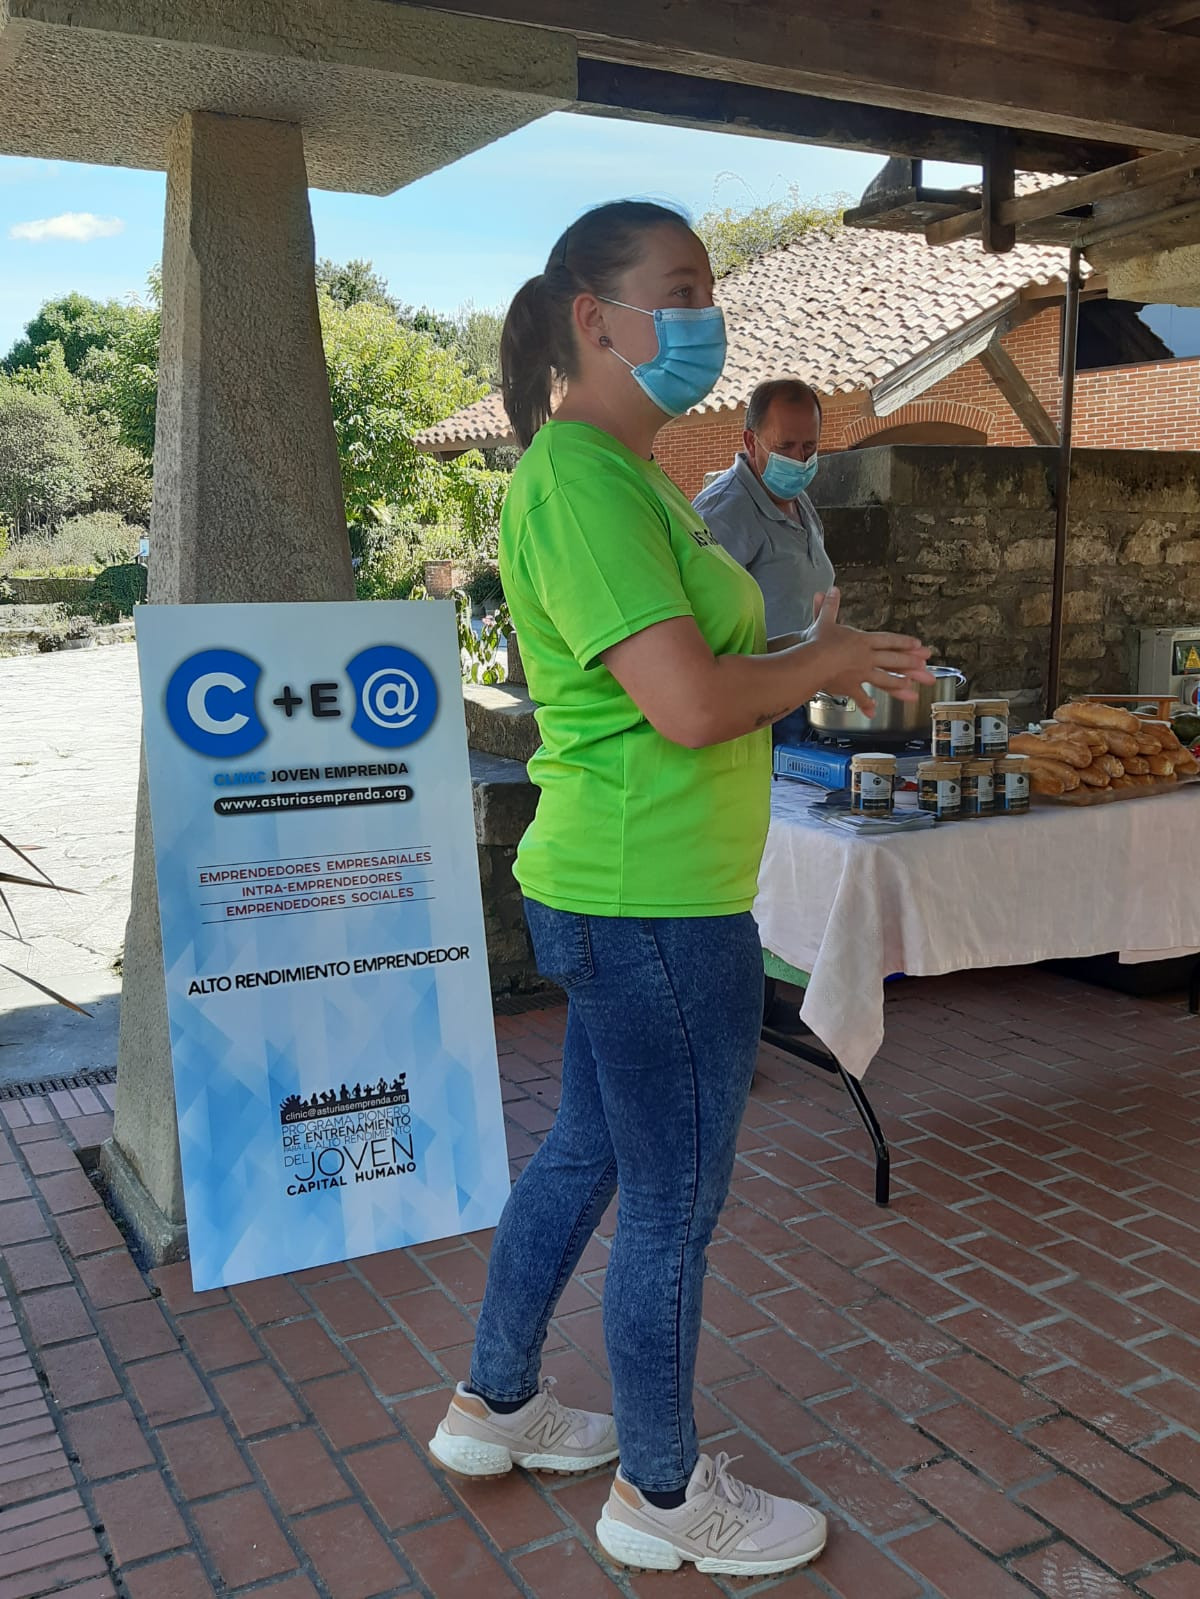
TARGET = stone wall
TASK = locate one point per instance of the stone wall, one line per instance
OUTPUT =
(956, 544)
(505, 800)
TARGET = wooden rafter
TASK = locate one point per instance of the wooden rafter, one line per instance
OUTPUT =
(1015, 387)
(1170, 14)
(1130, 175)
(608, 88)
(999, 186)
(1021, 64)
(1130, 192)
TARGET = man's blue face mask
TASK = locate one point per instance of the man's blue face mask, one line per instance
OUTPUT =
(785, 478)
(690, 358)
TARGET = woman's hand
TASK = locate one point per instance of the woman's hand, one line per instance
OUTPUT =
(850, 662)
(697, 699)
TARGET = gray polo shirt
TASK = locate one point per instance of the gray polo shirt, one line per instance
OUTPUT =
(786, 558)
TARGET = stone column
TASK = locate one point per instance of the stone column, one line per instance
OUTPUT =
(247, 506)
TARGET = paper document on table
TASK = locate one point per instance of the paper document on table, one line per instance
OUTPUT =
(875, 826)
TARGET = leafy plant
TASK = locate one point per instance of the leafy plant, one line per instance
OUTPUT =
(41, 880)
(734, 238)
(387, 383)
(102, 537)
(116, 591)
(479, 652)
(43, 470)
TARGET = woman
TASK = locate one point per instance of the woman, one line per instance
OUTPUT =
(646, 651)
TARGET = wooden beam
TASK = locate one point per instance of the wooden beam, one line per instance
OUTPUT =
(999, 185)
(948, 230)
(948, 354)
(607, 88)
(1095, 287)
(1169, 14)
(1020, 64)
(1144, 235)
(1014, 386)
(1130, 175)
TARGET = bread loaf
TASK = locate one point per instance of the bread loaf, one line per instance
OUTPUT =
(1112, 764)
(1047, 783)
(1186, 764)
(1053, 729)
(1147, 744)
(1136, 765)
(1095, 777)
(1091, 713)
(1090, 738)
(1163, 732)
(1121, 744)
(1073, 752)
(1051, 771)
(1161, 765)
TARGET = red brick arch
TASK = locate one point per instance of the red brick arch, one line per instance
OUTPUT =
(922, 411)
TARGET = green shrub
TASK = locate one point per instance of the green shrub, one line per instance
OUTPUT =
(390, 571)
(43, 471)
(79, 547)
(116, 591)
(104, 538)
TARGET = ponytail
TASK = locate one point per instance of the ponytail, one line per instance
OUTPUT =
(529, 359)
(537, 344)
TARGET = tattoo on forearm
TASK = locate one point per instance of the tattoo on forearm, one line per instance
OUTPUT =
(766, 718)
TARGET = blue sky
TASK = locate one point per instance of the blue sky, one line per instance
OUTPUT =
(473, 231)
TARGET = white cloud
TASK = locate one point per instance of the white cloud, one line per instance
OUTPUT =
(78, 226)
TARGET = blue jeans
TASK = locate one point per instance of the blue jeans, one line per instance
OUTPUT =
(663, 1022)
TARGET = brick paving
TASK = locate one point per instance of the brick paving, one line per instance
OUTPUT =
(993, 1387)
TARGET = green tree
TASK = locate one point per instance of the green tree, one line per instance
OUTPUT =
(353, 283)
(477, 341)
(43, 467)
(77, 325)
(121, 381)
(734, 238)
(386, 383)
(443, 330)
(118, 475)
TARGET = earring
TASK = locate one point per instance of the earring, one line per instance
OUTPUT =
(605, 340)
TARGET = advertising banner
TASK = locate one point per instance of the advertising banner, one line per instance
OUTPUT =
(327, 984)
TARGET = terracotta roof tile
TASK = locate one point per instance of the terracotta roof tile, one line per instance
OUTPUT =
(842, 310)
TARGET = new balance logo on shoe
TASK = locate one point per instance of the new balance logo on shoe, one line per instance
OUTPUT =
(719, 1530)
(548, 1430)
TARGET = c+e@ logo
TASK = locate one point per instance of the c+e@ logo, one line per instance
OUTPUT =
(211, 700)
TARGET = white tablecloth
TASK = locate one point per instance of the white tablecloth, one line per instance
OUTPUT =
(1059, 882)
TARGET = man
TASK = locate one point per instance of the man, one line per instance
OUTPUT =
(759, 509)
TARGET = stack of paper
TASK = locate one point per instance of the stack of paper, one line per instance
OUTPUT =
(875, 826)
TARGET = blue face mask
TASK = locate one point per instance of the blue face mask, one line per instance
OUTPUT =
(691, 355)
(785, 478)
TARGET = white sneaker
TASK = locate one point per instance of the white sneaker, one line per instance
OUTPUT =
(724, 1527)
(476, 1441)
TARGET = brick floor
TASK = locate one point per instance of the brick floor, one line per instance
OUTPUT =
(993, 1386)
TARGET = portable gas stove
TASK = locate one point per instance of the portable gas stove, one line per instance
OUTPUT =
(824, 759)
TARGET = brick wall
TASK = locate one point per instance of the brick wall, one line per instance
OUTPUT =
(1152, 407)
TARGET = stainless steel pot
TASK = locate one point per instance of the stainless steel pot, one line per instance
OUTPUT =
(827, 713)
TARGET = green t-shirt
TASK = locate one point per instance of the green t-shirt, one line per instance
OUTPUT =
(595, 545)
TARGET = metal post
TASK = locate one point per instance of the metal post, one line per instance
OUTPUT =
(1062, 487)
